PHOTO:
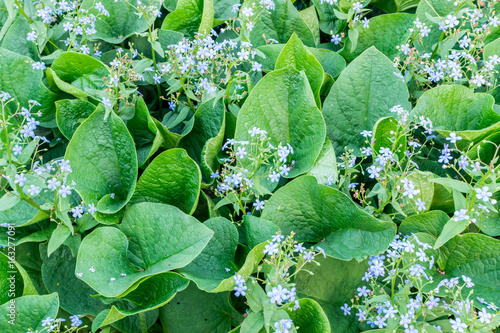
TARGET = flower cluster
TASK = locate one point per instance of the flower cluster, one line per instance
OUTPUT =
(402, 293)
(461, 58)
(252, 170)
(285, 257)
(55, 325)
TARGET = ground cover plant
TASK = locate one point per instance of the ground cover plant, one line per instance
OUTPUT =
(260, 166)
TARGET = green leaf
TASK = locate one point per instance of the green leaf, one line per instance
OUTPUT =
(23, 214)
(423, 182)
(190, 17)
(384, 134)
(453, 184)
(310, 317)
(385, 33)
(311, 19)
(77, 74)
(70, 113)
(172, 178)
(15, 38)
(104, 162)
(12, 282)
(58, 273)
(280, 24)
(296, 120)
(331, 291)
(208, 270)
(295, 54)
(23, 84)
(223, 9)
(144, 131)
(122, 22)
(326, 15)
(253, 323)
(455, 108)
(205, 140)
(450, 230)
(478, 257)
(428, 222)
(58, 237)
(317, 212)
(332, 63)
(363, 93)
(325, 167)
(138, 250)
(29, 311)
(258, 230)
(193, 310)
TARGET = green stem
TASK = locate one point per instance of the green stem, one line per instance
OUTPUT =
(142, 320)
(22, 11)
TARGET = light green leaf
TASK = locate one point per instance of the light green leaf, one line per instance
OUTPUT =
(438, 9)
(193, 310)
(29, 313)
(317, 212)
(423, 182)
(332, 291)
(58, 237)
(310, 317)
(15, 38)
(455, 108)
(172, 178)
(253, 323)
(279, 24)
(70, 113)
(258, 230)
(311, 19)
(428, 222)
(295, 120)
(104, 162)
(295, 54)
(138, 250)
(384, 134)
(360, 97)
(385, 33)
(325, 167)
(190, 17)
(478, 257)
(450, 230)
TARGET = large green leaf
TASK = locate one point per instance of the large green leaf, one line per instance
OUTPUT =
(478, 257)
(76, 74)
(71, 113)
(190, 17)
(104, 162)
(23, 83)
(27, 313)
(137, 249)
(280, 24)
(15, 38)
(216, 262)
(364, 92)
(455, 108)
(122, 22)
(390, 6)
(325, 167)
(58, 273)
(429, 222)
(282, 103)
(258, 230)
(385, 33)
(193, 310)
(204, 141)
(333, 284)
(295, 54)
(317, 212)
(172, 178)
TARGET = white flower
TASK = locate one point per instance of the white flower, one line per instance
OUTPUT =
(64, 191)
(458, 325)
(271, 249)
(357, 6)
(420, 204)
(461, 215)
(483, 193)
(363, 292)
(366, 23)
(92, 209)
(34, 190)
(453, 138)
(17, 150)
(451, 21)
(432, 302)
(366, 133)
(247, 11)
(336, 39)
(241, 152)
(275, 177)
(484, 316)
(258, 204)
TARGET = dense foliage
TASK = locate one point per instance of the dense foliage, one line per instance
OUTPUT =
(223, 166)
